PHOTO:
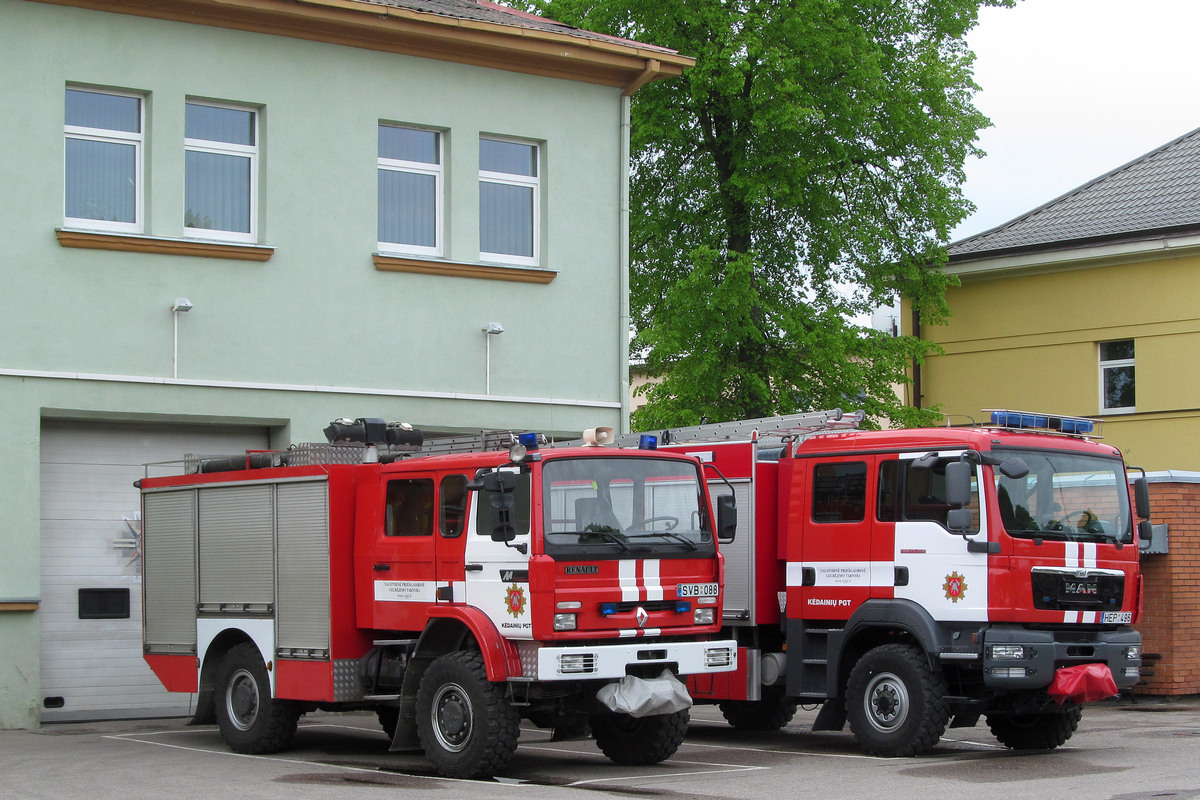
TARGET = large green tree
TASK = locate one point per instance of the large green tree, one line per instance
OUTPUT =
(807, 170)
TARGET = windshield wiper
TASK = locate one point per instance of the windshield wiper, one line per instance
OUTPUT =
(608, 534)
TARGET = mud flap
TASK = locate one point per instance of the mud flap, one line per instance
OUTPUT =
(645, 697)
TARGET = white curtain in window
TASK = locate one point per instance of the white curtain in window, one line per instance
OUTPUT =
(217, 193)
(407, 208)
(506, 219)
(101, 180)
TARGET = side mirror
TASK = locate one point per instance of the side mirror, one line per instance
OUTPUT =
(958, 483)
(1141, 497)
(500, 486)
(1145, 532)
(959, 519)
(726, 518)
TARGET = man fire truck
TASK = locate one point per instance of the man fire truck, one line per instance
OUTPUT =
(910, 579)
(452, 593)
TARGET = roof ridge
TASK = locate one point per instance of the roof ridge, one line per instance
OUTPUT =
(962, 246)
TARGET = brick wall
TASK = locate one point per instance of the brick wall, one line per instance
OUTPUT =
(1170, 623)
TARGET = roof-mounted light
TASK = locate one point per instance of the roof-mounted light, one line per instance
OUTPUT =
(1024, 420)
(647, 441)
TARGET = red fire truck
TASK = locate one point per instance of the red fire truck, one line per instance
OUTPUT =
(910, 579)
(452, 593)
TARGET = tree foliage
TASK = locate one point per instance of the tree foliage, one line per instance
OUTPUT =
(806, 170)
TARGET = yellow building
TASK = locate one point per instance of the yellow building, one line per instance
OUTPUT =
(1088, 305)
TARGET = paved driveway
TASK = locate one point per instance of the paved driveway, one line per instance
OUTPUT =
(1122, 751)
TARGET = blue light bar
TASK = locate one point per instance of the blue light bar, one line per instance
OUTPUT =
(608, 609)
(1022, 420)
(528, 439)
(647, 442)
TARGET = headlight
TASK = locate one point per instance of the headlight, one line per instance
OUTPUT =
(1007, 652)
(1133, 652)
(564, 622)
(704, 616)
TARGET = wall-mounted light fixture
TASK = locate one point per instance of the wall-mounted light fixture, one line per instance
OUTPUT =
(492, 329)
(184, 305)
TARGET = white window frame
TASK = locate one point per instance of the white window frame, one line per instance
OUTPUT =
(227, 149)
(137, 140)
(437, 171)
(1113, 363)
(510, 179)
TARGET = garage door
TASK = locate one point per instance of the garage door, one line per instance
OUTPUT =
(91, 615)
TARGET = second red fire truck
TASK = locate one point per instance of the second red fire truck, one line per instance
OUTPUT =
(907, 580)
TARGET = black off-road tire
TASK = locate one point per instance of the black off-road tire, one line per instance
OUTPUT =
(466, 727)
(1035, 731)
(639, 741)
(250, 720)
(771, 713)
(895, 703)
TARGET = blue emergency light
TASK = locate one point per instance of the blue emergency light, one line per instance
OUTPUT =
(529, 440)
(647, 441)
(608, 609)
(1023, 420)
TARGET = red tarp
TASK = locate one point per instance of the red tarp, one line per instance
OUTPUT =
(1082, 684)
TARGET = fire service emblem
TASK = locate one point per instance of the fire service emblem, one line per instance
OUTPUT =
(955, 587)
(514, 601)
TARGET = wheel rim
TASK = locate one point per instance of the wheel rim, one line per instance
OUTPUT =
(886, 702)
(241, 700)
(453, 717)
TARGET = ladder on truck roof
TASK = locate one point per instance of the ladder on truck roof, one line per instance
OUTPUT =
(787, 427)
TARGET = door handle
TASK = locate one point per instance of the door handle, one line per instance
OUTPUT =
(473, 567)
(383, 567)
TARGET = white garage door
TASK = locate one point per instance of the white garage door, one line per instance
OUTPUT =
(91, 612)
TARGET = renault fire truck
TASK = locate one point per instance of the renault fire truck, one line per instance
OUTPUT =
(453, 593)
(909, 579)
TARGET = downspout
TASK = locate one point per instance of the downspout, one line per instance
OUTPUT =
(916, 383)
(623, 268)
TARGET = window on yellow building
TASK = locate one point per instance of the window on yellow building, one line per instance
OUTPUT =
(1116, 376)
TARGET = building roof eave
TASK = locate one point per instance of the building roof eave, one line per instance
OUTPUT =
(602, 60)
(1067, 256)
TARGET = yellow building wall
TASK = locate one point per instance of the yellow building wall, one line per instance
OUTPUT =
(1031, 342)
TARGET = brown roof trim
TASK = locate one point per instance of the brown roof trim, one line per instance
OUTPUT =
(606, 61)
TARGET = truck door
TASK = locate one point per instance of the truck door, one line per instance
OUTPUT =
(497, 574)
(932, 564)
(837, 566)
(417, 553)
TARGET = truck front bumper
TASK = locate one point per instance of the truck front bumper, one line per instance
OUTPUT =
(610, 662)
(1018, 658)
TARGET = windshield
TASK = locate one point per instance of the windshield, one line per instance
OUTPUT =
(1066, 496)
(624, 508)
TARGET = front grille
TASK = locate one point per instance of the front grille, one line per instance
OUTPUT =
(626, 607)
(1077, 590)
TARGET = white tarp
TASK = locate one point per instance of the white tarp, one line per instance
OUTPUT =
(646, 697)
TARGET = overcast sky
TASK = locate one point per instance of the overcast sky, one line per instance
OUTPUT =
(1075, 88)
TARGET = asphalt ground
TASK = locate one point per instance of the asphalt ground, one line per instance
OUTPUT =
(1122, 751)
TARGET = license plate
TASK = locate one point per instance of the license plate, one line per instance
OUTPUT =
(695, 590)
(1117, 617)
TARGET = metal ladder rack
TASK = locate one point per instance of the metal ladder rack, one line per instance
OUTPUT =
(788, 427)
